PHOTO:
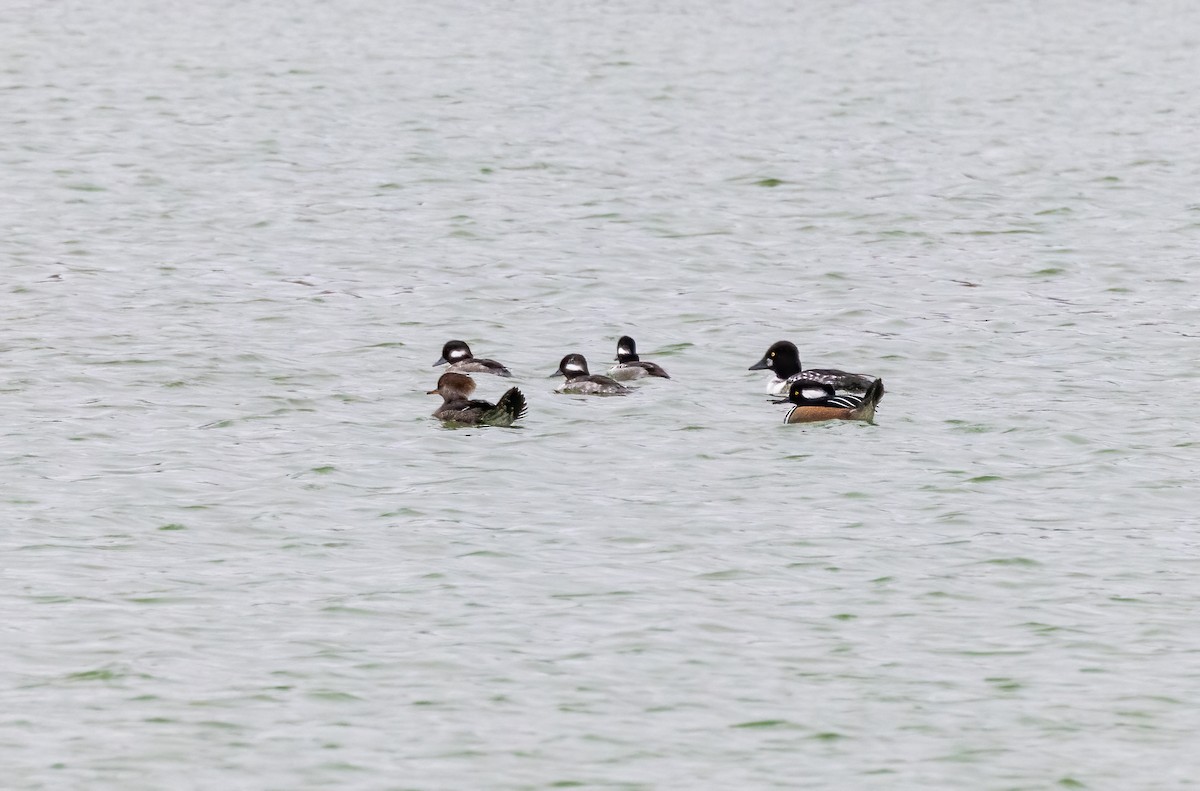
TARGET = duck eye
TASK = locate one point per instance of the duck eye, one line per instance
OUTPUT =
(772, 354)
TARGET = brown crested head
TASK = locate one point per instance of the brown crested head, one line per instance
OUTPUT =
(452, 385)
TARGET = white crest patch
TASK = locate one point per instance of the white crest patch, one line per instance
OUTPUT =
(813, 392)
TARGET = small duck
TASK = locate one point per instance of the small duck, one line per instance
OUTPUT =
(630, 366)
(581, 382)
(783, 358)
(815, 401)
(458, 407)
(458, 354)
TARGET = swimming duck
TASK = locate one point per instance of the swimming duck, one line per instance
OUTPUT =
(814, 401)
(783, 359)
(458, 407)
(630, 366)
(458, 354)
(574, 367)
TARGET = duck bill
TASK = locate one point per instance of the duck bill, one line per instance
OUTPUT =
(440, 361)
(433, 392)
(761, 364)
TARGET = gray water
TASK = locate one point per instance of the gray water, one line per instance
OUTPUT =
(239, 554)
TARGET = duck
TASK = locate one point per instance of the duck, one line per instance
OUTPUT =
(783, 359)
(458, 406)
(458, 355)
(630, 366)
(814, 401)
(581, 382)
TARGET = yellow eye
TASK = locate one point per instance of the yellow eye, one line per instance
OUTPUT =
(772, 354)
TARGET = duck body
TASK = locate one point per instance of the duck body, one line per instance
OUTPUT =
(783, 359)
(814, 401)
(458, 406)
(625, 372)
(458, 355)
(630, 366)
(580, 381)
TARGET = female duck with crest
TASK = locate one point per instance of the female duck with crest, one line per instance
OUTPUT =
(630, 366)
(581, 382)
(783, 359)
(458, 354)
(458, 406)
(815, 401)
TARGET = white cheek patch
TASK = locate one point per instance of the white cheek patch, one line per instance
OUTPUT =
(574, 368)
(624, 350)
(457, 354)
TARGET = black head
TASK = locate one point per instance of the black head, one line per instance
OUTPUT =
(805, 392)
(783, 358)
(626, 350)
(573, 365)
(454, 352)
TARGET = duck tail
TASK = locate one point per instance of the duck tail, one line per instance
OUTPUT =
(510, 408)
(874, 393)
(866, 411)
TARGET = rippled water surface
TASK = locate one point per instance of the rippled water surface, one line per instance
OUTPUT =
(239, 554)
